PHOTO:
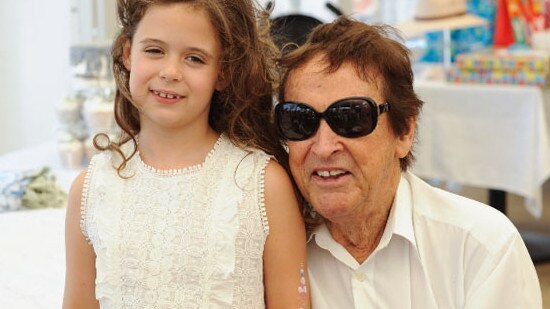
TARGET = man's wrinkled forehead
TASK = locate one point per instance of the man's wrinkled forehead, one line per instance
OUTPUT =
(324, 65)
(318, 66)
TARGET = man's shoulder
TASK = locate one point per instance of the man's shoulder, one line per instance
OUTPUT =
(441, 211)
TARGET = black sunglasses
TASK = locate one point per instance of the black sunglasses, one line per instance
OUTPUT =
(348, 117)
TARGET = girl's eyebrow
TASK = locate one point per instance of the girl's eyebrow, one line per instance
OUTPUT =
(162, 43)
(150, 40)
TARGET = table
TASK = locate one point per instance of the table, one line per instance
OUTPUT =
(32, 258)
(32, 249)
(39, 156)
(490, 136)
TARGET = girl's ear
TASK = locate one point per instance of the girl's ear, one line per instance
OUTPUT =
(220, 83)
(126, 52)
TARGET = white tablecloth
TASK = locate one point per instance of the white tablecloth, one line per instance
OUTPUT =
(32, 248)
(487, 136)
(32, 259)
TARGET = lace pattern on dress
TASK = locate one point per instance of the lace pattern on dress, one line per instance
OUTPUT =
(261, 197)
(84, 200)
(197, 244)
(178, 171)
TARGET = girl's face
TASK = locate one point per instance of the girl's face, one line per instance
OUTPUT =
(174, 64)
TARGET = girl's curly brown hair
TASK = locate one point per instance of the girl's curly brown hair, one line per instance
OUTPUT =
(243, 109)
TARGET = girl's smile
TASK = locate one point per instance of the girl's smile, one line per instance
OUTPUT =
(166, 97)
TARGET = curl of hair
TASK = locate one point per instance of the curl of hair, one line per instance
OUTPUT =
(374, 52)
(243, 108)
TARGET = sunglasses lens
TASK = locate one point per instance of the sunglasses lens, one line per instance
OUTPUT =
(296, 121)
(351, 118)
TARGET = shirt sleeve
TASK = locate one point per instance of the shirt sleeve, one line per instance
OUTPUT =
(509, 280)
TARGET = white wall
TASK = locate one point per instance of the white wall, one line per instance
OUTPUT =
(93, 21)
(34, 69)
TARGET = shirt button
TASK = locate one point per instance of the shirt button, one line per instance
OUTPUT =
(360, 276)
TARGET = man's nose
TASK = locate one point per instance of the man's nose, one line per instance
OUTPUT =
(325, 142)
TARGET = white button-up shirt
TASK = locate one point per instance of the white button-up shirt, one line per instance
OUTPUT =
(438, 250)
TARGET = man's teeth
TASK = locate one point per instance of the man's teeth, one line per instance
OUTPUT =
(166, 95)
(330, 173)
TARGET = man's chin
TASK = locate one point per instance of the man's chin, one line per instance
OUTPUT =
(334, 210)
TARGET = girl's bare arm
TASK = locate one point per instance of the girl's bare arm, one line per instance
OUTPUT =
(285, 267)
(80, 257)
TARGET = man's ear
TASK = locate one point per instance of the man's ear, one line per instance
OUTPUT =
(405, 141)
(126, 52)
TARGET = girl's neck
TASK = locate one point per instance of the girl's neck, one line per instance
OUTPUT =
(175, 150)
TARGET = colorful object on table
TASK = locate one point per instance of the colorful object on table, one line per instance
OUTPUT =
(513, 67)
(512, 77)
(505, 60)
(517, 20)
(503, 35)
(534, 14)
(483, 8)
(30, 189)
(465, 39)
(546, 14)
(462, 41)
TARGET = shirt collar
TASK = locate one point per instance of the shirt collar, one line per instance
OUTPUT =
(400, 220)
(322, 238)
(401, 214)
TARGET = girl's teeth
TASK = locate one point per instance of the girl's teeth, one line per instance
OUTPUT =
(166, 95)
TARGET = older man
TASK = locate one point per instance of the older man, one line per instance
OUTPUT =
(380, 236)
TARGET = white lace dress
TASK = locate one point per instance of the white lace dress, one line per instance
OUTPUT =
(190, 238)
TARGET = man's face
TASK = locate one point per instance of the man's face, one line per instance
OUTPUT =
(343, 178)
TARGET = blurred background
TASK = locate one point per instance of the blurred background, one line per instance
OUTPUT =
(35, 56)
(35, 62)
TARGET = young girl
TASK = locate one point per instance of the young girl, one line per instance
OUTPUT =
(188, 209)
